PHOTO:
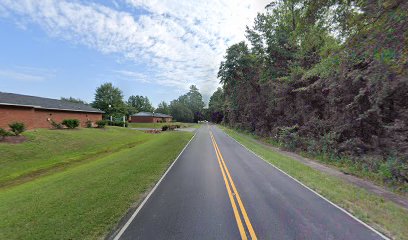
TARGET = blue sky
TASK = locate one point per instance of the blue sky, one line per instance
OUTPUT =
(145, 47)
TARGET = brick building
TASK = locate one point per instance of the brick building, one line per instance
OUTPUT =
(148, 117)
(36, 112)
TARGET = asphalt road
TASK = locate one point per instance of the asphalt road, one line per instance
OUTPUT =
(219, 190)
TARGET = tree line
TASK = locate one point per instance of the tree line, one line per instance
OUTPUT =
(189, 107)
(325, 77)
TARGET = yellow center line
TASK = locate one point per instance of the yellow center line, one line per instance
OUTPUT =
(234, 206)
(241, 205)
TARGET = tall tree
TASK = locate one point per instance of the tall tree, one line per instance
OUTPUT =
(110, 100)
(194, 101)
(139, 104)
(180, 111)
(216, 106)
(163, 107)
(324, 76)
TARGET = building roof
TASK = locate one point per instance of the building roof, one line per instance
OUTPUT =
(149, 114)
(12, 99)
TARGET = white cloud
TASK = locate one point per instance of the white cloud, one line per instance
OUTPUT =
(132, 76)
(182, 42)
(27, 74)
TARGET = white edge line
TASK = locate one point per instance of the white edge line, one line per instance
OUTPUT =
(117, 237)
(318, 194)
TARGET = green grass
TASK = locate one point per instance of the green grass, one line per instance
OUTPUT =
(47, 149)
(86, 201)
(159, 125)
(383, 215)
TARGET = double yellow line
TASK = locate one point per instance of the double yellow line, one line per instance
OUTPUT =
(233, 195)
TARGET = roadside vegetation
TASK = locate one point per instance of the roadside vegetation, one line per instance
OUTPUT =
(327, 78)
(87, 200)
(385, 216)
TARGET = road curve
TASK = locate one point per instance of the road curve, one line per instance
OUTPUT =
(219, 190)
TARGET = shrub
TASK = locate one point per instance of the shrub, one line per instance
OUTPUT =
(4, 133)
(71, 123)
(165, 127)
(17, 128)
(101, 123)
(89, 124)
(55, 125)
(118, 123)
(172, 127)
(177, 125)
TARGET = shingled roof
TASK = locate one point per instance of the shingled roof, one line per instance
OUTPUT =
(149, 114)
(12, 99)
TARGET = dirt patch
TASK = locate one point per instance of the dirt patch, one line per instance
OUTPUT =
(13, 139)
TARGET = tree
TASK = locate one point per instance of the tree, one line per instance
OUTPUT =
(194, 101)
(110, 100)
(325, 77)
(73, 100)
(139, 104)
(180, 111)
(163, 107)
(216, 106)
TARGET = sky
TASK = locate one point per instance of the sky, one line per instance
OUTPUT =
(154, 48)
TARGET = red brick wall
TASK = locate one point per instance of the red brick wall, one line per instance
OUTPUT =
(38, 118)
(9, 114)
(139, 119)
(42, 116)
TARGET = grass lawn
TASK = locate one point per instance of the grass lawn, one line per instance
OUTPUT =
(49, 149)
(383, 215)
(159, 125)
(84, 201)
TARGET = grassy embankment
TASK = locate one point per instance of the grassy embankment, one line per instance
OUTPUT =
(159, 125)
(383, 215)
(104, 173)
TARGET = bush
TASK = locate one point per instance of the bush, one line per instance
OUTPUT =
(289, 137)
(71, 123)
(17, 128)
(4, 133)
(177, 125)
(118, 123)
(172, 127)
(55, 125)
(101, 123)
(89, 124)
(165, 127)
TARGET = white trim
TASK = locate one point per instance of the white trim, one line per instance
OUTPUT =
(123, 229)
(327, 200)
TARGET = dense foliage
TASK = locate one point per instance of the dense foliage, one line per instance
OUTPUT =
(163, 107)
(188, 107)
(101, 123)
(17, 127)
(139, 104)
(327, 77)
(70, 123)
(110, 100)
